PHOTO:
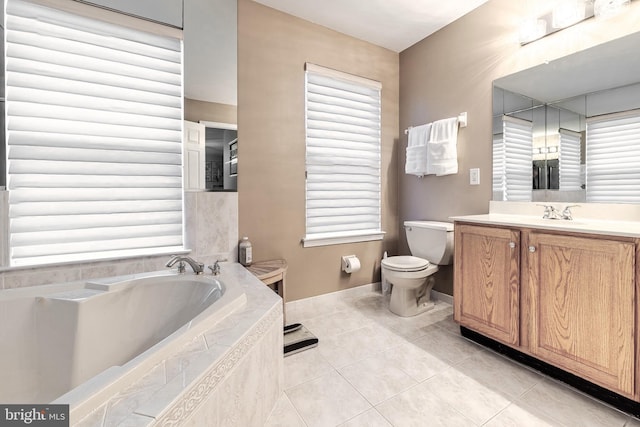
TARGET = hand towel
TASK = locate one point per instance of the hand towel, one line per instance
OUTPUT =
(417, 159)
(442, 151)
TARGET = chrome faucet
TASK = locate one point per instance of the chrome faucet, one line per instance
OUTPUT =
(566, 213)
(197, 267)
(550, 212)
(215, 268)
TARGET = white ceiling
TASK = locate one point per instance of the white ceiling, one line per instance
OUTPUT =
(393, 24)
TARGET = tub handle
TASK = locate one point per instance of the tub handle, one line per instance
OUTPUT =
(215, 268)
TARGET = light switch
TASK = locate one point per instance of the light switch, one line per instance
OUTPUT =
(474, 176)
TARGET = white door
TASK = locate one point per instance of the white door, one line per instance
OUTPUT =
(194, 156)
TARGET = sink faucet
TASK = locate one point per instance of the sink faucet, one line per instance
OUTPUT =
(550, 212)
(197, 267)
(566, 213)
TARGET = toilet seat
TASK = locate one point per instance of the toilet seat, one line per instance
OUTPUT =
(405, 263)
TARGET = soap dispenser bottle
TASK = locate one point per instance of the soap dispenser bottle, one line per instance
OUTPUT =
(244, 252)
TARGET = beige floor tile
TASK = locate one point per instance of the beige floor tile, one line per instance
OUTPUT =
(284, 414)
(304, 366)
(450, 348)
(350, 347)
(327, 401)
(330, 325)
(476, 401)
(371, 418)
(376, 379)
(416, 362)
(499, 374)
(419, 407)
(632, 422)
(516, 416)
(569, 407)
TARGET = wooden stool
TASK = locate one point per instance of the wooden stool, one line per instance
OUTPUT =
(273, 274)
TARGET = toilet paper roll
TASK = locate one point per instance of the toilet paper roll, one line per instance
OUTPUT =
(352, 265)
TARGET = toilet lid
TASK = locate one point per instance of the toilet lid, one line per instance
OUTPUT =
(405, 263)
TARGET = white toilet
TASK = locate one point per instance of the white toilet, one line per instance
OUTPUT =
(431, 244)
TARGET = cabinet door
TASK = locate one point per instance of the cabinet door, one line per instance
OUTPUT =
(582, 307)
(486, 285)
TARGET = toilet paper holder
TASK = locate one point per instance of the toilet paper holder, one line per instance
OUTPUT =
(350, 264)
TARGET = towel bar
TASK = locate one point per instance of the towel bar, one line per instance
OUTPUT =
(462, 122)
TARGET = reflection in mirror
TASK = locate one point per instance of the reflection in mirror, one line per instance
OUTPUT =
(569, 130)
(221, 156)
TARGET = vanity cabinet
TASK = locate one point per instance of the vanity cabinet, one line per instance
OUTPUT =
(567, 299)
(581, 307)
(487, 286)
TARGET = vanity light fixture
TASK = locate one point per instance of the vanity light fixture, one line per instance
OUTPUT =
(604, 9)
(532, 29)
(563, 14)
(568, 12)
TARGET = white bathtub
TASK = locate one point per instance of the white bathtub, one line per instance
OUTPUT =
(82, 342)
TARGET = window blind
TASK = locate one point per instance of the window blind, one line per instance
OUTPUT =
(94, 130)
(499, 177)
(569, 160)
(613, 158)
(518, 158)
(342, 157)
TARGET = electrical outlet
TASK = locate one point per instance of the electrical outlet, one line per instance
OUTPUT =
(474, 176)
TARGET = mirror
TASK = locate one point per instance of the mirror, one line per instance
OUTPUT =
(210, 86)
(548, 127)
(221, 156)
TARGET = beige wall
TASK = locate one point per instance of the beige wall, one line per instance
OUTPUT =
(272, 50)
(450, 72)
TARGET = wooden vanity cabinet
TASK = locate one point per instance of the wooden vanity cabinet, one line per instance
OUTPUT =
(565, 298)
(581, 307)
(487, 281)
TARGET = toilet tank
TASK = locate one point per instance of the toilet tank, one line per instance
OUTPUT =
(431, 240)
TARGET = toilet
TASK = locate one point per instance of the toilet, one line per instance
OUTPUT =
(431, 244)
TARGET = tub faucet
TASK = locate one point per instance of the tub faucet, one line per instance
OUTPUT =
(197, 267)
(215, 268)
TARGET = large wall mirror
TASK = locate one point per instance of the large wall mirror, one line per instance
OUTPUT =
(569, 130)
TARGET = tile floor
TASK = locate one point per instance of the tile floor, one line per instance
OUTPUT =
(372, 368)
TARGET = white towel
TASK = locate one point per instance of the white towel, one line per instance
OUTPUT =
(442, 147)
(417, 159)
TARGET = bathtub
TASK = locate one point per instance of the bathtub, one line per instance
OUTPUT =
(83, 342)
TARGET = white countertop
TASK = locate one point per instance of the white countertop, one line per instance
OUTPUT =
(591, 226)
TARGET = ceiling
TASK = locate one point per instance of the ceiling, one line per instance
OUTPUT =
(210, 33)
(393, 24)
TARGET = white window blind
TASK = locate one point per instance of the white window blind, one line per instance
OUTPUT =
(613, 158)
(518, 159)
(569, 160)
(499, 177)
(342, 157)
(94, 121)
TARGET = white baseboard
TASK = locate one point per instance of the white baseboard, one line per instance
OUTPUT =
(435, 295)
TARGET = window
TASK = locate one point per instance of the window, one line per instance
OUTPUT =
(569, 160)
(342, 158)
(94, 138)
(512, 160)
(613, 158)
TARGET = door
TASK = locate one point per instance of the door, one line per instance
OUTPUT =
(582, 307)
(194, 156)
(486, 287)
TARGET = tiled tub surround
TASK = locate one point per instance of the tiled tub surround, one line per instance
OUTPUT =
(231, 357)
(211, 232)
